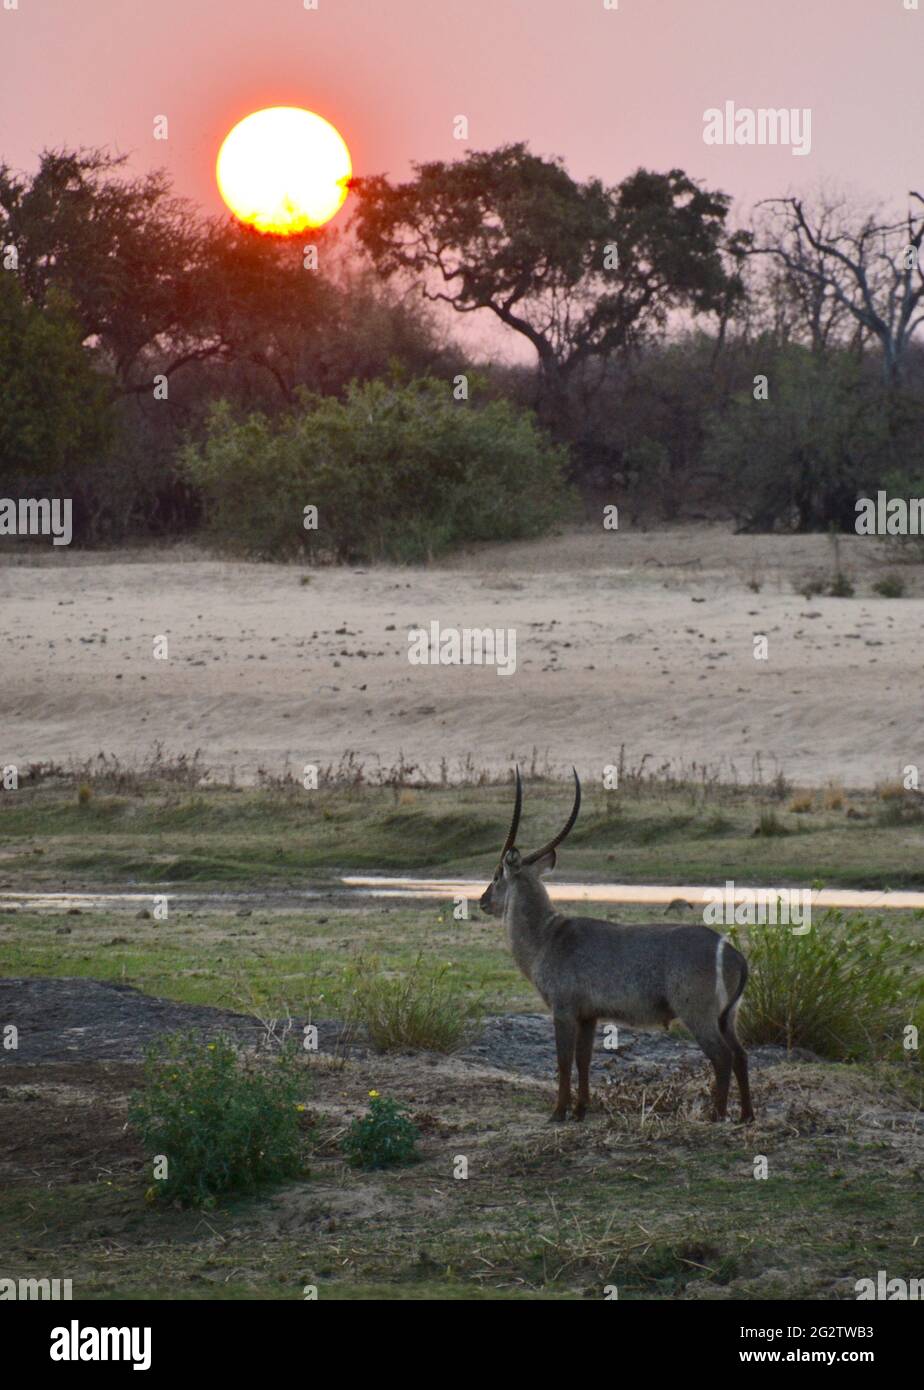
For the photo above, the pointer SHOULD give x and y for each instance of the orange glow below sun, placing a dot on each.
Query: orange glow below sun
(283, 170)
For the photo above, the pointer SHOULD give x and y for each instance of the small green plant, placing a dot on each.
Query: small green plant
(84, 794)
(904, 810)
(890, 586)
(770, 823)
(384, 1138)
(224, 1123)
(811, 588)
(841, 587)
(846, 989)
(422, 1007)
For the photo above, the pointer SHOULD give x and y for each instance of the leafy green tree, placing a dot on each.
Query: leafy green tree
(125, 251)
(55, 410)
(158, 289)
(579, 269)
(798, 460)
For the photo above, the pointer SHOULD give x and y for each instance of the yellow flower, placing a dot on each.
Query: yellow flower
(211, 1047)
(299, 1108)
(374, 1095)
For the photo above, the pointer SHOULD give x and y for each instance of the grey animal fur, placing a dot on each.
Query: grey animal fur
(641, 976)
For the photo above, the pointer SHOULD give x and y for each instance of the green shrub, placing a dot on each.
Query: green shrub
(841, 587)
(799, 460)
(384, 1138)
(422, 1007)
(395, 470)
(890, 586)
(845, 990)
(770, 823)
(224, 1123)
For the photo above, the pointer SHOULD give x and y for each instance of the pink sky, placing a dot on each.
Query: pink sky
(607, 90)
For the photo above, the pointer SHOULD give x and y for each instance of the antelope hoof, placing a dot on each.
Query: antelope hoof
(558, 1115)
(580, 1110)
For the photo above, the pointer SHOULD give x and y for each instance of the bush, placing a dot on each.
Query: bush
(223, 1123)
(395, 471)
(421, 1008)
(770, 823)
(384, 1138)
(799, 460)
(845, 990)
(889, 586)
(841, 587)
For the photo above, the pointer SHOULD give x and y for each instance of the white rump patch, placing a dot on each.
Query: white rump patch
(721, 993)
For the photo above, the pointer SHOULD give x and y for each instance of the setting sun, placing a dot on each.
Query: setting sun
(284, 169)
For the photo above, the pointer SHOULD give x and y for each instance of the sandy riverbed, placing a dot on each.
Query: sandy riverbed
(644, 639)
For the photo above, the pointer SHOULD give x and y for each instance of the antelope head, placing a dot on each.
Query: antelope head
(522, 873)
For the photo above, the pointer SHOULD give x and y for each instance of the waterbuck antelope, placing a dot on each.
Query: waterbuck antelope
(586, 970)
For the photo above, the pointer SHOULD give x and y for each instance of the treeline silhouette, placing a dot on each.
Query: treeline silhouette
(170, 372)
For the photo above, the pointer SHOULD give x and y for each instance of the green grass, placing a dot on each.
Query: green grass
(265, 962)
(222, 838)
(588, 1217)
(548, 1212)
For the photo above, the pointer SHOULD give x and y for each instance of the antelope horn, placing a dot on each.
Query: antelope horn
(515, 822)
(569, 825)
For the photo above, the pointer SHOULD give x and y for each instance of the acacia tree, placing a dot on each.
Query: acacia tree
(581, 270)
(156, 288)
(842, 268)
(126, 253)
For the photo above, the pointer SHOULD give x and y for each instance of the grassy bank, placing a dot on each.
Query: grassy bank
(643, 1197)
(55, 835)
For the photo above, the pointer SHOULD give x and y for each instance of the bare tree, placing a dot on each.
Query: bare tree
(839, 270)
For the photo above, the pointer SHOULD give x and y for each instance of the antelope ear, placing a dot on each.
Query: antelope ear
(512, 862)
(547, 863)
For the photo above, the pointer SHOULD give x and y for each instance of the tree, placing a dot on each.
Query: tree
(857, 267)
(55, 419)
(125, 251)
(799, 460)
(582, 271)
(156, 288)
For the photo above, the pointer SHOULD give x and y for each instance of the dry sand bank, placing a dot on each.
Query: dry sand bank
(641, 639)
